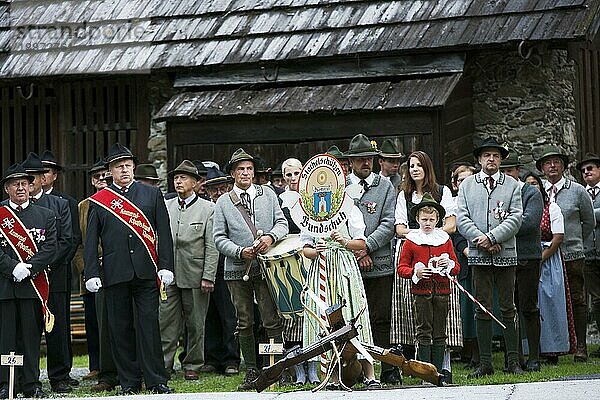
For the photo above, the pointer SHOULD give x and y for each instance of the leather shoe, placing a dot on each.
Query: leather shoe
(481, 370)
(248, 384)
(391, 377)
(514, 368)
(72, 382)
(127, 390)
(190, 375)
(61, 387)
(532, 366)
(580, 354)
(231, 370)
(102, 386)
(208, 368)
(90, 375)
(36, 393)
(4, 393)
(161, 388)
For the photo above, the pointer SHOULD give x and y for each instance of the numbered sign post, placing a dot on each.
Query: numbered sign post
(11, 360)
(271, 349)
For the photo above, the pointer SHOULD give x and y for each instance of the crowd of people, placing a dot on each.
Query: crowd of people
(180, 270)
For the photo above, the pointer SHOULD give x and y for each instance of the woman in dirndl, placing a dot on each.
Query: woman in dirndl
(344, 283)
(419, 180)
(557, 328)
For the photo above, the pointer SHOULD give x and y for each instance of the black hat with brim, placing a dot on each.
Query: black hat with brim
(33, 164)
(551, 151)
(361, 146)
(588, 158)
(238, 156)
(427, 200)
(146, 171)
(49, 160)
(118, 152)
(16, 171)
(490, 142)
(100, 165)
(216, 177)
(511, 161)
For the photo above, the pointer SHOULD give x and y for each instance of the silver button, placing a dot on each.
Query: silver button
(131, 251)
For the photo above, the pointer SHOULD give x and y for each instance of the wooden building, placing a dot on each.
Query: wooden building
(290, 77)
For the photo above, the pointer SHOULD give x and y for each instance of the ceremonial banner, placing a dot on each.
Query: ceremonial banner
(133, 218)
(19, 239)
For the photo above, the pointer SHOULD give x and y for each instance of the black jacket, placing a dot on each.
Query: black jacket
(123, 253)
(75, 229)
(41, 223)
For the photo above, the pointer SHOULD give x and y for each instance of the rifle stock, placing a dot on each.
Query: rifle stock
(270, 375)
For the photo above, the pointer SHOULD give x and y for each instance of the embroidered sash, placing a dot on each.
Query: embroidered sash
(134, 218)
(24, 246)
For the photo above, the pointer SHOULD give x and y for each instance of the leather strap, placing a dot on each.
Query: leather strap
(238, 204)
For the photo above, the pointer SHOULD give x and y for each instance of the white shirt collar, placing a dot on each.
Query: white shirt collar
(37, 196)
(484, 176)
(188, 199)
(355, 179)
(126, 187)
(49, 190)
(251, 191)
(436, 238)
(15, 205)
(559, 185)
(596, 185)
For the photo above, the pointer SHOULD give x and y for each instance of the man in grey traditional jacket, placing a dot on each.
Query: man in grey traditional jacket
(489, 216)
(377, 204)
(576, 207)
(529, 255)
(196, 258)
(239, 215)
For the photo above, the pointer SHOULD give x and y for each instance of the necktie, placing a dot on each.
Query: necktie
(552, 192)
(34, 200)
(364, 184)
(182, 204)
(19, 208)
(490, 183)
(593, 192)
(246, 202)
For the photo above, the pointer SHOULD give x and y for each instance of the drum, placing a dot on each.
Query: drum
(284, 268)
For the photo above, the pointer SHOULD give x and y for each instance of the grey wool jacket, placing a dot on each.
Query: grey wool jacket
(498, 215)
(529, 236)
(196, 256)
(576, 206)
(591, 244)
(232, 234)
(377, 206)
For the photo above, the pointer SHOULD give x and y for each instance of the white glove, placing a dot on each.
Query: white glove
(166, 277)
(93, 285)
(21, 271)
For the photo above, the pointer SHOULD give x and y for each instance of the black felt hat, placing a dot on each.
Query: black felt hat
(427, 200)
(100, 165)
(146, 171)
(33, 164)
(260, 166)
(49, 160)
(487, 143)
(119, 152)
(16, 171)
(216, 177)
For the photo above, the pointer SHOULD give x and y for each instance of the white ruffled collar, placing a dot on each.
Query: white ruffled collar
(436, 238)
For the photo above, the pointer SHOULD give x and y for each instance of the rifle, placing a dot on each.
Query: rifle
(270, 375)
(394, 356)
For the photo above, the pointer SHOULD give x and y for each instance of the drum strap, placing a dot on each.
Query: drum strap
(238, 204)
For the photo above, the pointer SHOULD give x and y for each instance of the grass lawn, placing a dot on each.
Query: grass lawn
(218, 383)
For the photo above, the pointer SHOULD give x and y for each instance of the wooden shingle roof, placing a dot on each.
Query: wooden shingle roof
(55, 37)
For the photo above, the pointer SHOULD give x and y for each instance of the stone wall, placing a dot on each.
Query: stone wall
(526, 103)
(160, 90)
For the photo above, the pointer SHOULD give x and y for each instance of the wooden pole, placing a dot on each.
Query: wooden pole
(11, 379)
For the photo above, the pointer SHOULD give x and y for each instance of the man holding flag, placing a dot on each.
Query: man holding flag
(131, 222)
(27, 246)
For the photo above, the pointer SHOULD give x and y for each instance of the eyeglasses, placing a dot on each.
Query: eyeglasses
(588, 168)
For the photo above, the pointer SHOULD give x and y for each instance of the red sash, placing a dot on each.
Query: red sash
(24, 246)
(134, 218)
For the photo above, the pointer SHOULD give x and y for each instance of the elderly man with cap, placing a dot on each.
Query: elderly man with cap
(146, 174)
(578, 212)
(132, 222)
(96, 316)
(23, 280)
(60, 358)
(377, 204)
(590, 171)
(489, 217)
(247, 222)
(529, 258)
(195, 268)
(389, 162)
(221, 346)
